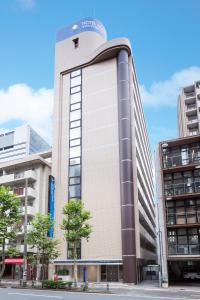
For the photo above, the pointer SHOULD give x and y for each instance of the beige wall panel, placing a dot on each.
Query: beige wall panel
(100, 158)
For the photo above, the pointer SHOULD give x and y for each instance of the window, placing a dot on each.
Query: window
(76, 142)
(74, 180)
(75, 73)
(75, 161)
(75, 133)
(75, 98)
(75, 81)
(75, 106)
(76, 43)
(75, 124)
(74, 191)
(75, 115)
(75, 151)
(74, 171)
(75, 89)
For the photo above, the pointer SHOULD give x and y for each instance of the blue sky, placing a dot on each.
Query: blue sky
(165, 43)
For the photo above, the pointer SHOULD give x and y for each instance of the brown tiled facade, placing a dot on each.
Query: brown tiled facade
(179, 203)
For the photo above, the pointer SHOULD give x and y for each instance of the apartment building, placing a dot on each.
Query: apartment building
(101, 154)
(178, 194)
(20, 142)
(189, 110)
(30, 175)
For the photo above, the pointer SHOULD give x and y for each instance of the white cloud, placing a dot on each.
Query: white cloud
(165, 93)
(34, 107)
(26, 4)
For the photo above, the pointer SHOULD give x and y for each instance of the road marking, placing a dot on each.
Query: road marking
(34, 295)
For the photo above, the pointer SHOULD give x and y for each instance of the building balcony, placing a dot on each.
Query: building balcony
(31, 194)
(21, 229)
(191, 110)
(186, 219)
(175, 161)
(190, 98)
(20, 248)
(30, 211)
(183, 250)
(18, 177)
(192, 123)
(182, 189)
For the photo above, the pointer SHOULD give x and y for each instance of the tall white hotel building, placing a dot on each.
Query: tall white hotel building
(101, 153)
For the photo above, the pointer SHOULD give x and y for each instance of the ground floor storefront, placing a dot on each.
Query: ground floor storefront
(103, 271)
(184, 270)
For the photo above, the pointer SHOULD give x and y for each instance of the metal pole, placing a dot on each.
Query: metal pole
(25, 233)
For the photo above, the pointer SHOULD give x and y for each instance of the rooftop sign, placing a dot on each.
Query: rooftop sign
(86, 24)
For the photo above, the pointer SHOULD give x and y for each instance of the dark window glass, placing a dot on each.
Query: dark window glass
(75, 171)
(74, 191)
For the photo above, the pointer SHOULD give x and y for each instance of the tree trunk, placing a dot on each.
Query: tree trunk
(38, 268)
(75, 267)
(3, 260)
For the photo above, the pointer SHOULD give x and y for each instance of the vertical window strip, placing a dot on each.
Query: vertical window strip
(75, 120)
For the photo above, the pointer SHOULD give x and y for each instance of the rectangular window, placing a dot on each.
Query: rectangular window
(76, 142)
(75, 133)
(75, 98)
(74, 180)
(75, 89)
(75, 152)
(75, 171)
(75, 81)
(75, 124)
(75, 106)
(75, 73)
(75, 115)
(75, 161)
(74, 191)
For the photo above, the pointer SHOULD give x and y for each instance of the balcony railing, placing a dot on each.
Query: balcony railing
(189, 95)
(191, 107)
(18, 177)
(184, 249)
(180, 161)
(30, 210)
(183, 218)
(193, 121)
(182, 188)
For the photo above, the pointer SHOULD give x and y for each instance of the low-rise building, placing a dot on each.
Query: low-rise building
(29, 175)
(178, 195)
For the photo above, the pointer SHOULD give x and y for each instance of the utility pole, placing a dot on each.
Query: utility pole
(25, 233)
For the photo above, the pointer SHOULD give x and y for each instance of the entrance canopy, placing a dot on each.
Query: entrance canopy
(14, 261)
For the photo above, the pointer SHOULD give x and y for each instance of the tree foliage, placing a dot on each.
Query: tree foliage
(75, 226)
(46, 247)
(9, 216)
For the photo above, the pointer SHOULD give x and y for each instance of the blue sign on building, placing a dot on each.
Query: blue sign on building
(51, 202)
(86, 24)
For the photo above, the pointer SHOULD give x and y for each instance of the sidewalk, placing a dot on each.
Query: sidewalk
(117, 287)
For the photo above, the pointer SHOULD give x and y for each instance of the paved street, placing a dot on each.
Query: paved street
(19, 294)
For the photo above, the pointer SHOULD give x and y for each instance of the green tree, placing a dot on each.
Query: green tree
(46, 247)
(75, 226)
(9, 216)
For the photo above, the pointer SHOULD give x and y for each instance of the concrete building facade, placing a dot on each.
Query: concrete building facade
(29, 175)
(178, 195)
(101, 153)
(189, 110)
(20, 142)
